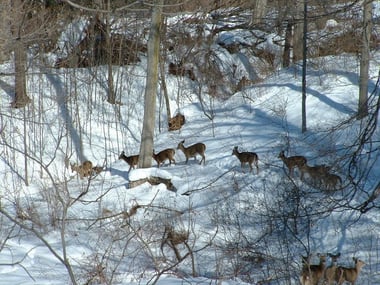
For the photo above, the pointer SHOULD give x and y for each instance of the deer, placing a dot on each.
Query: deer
(349, 274)
(305, 260)
(131, 160)
(312, 274)
(293, 161)
(331, 270)
(321, 169)
(193, 150)
(84, 170)
(332, 181)
(173, 238)
(247, 157)
(316, 173)
(164, 155)
(97, 170)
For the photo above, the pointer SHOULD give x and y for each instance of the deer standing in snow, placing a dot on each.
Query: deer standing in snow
(292, 162)
(193, 150)
(247, 157)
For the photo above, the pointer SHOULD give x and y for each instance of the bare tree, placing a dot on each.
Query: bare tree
(146, 148)
(364, 59)
(304, 66)
(259, 11)
(31, 24)
(18, 23)
(298, 32)
(287, 44)
(104, 46)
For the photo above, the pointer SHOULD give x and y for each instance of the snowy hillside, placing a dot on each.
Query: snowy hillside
(241, 227)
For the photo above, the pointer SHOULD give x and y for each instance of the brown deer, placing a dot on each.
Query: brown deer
(179, 69)
(316, 173)
(293, 161)
(305, 260)
(312, 274)
(131, 160)
(332, 181)
(164, 155)
(331, 270)
(173, 238)
(346, 274)
(84, 170)
(97, 169)
(193, 150)
(247, 157)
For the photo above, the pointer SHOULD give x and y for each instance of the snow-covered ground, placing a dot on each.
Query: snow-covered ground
(228, 211)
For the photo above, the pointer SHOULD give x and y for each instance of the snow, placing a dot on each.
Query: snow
(264, 118)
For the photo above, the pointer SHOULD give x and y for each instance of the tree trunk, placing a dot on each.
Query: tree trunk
(17, 21)
(21, 98)
(304, 67)
(146, 148)
(111, 97)
(364, 60)
(298, 33)
(259, 10)
(288, 44)
(165, 91)
(163, 79)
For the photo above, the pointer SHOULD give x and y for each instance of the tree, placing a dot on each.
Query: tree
(298, 32)
(364, 59)
(287, 44)
(146, 148)
(304, 67)
(31, 24)
(259, 10)
(18, 22)
(111, 98)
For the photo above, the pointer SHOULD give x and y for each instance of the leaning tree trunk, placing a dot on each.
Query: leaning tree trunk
(163, 79)
(165, 91)
(146, 148)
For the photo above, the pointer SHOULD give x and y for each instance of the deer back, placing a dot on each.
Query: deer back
(323, 169)
(87, 165)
